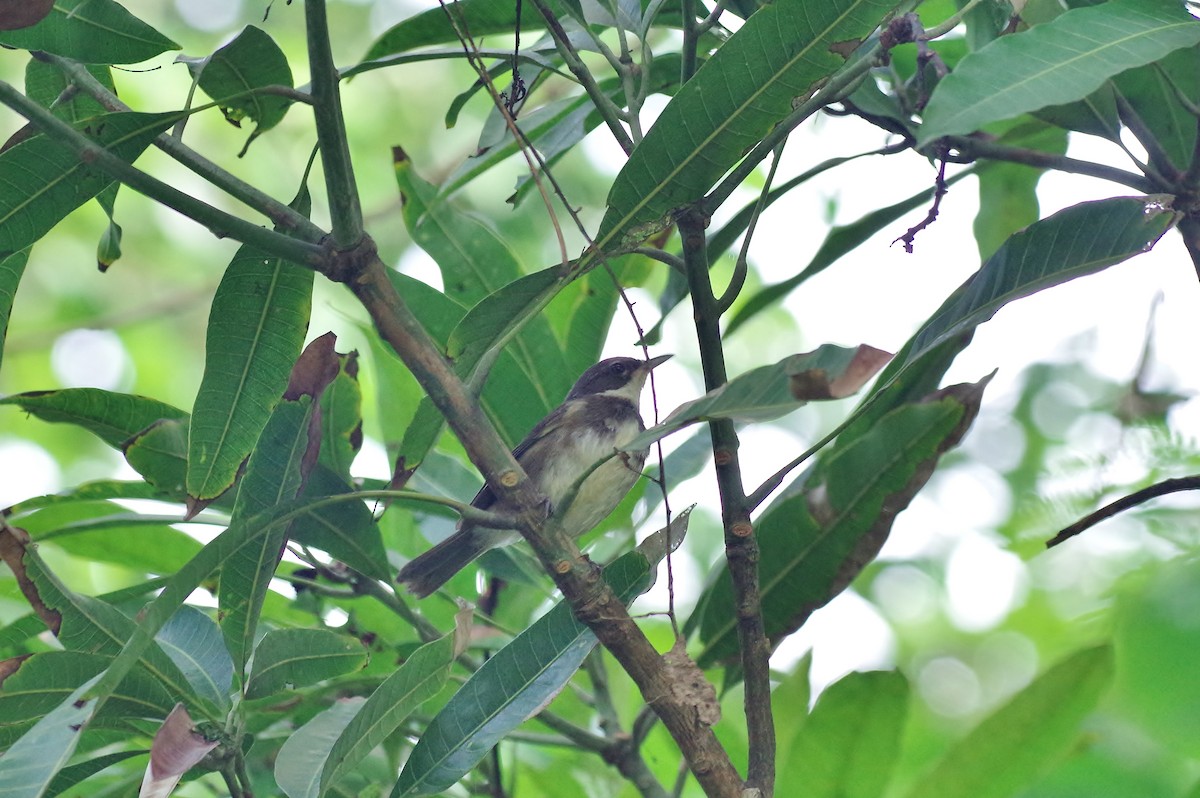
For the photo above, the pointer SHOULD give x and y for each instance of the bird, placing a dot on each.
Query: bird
(599, 415)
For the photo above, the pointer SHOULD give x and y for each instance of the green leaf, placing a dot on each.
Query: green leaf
(1055, 63)
(848, 746)
(106, 532)
(767, 392)
(41, 181)
(814, 540)
(1008, 199)
(1095, 114)
(28, 766)
(72, 775)
(838, 242)
(44, 681)
(332, 744)
(341, 418)
(1151, 92)
(298, 765)
(91, 31)
(520, 679)
(139, 645)
(345, 530)
(1004, 753)
(112, 417)
(45, 83)
(288, 659)
(274, 474)
(93, 626)
(1074, 242)
(255, 330)
(233, 75)
(784, 51)
(482, 18)
(11, 269)
(193, 641)
(159, 453)
(480, 269)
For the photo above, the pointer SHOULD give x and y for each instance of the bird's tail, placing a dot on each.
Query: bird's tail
(434, 568)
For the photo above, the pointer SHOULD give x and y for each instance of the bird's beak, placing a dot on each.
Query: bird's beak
(657, 361)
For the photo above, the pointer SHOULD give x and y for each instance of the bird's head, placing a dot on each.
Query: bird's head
(616, 376)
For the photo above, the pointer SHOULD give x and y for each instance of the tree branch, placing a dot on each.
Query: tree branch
(344, 209)
(741, 546)
(973, 148)
(1124, 503)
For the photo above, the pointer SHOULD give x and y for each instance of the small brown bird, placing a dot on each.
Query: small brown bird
(599, 415)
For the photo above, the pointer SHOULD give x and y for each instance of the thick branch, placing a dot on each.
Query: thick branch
(344, 209)
(741, 546)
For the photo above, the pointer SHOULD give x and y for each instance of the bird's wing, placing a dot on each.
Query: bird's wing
(485, 498)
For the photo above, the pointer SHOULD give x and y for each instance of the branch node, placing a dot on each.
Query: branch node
(742, 529)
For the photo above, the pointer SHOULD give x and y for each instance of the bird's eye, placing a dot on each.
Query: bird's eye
(619, 368)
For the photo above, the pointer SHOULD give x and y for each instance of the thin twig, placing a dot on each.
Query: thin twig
(222, 224)
(971, 148)
(726, 300)
(1134, 499)
(282, 216)
(939, 190)
(604, 106)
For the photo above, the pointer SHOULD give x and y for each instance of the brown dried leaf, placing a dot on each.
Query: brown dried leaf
(16, 14)
(814, 383)
(13, 541)
(177, 748)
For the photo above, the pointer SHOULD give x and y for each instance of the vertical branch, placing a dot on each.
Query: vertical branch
(741, 547)
(344, 209)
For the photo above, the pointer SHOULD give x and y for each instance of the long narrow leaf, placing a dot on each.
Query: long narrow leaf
(41, 181)
(92, 31)
(257, 324)
(815, 540)
(782, 52)
(1055, 63)
(11, 269)
(112, 417)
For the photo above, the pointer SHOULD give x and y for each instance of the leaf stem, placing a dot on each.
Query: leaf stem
(345, 210)
(971, 148)
(741, 545)
(604, 106)
(221, 224)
